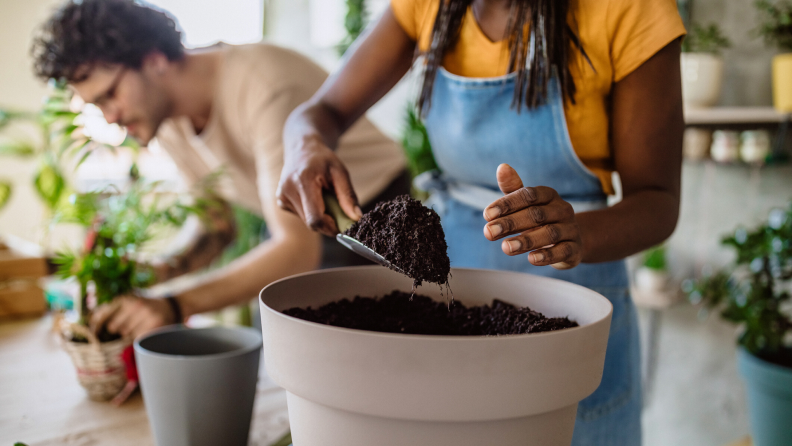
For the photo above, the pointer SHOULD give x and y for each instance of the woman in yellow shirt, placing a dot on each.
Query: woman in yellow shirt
(564, 91)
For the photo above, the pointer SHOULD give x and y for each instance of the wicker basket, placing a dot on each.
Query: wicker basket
(99, 366)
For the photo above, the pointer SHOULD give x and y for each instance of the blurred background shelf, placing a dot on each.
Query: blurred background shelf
(734, 116)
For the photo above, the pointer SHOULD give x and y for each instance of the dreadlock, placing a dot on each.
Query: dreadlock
(533, 57)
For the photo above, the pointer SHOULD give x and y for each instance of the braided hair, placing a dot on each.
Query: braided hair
(539, 39)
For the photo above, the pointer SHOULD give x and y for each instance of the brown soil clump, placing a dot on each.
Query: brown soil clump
(409, 236)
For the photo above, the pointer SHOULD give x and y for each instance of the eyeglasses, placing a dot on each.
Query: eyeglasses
(103, 99)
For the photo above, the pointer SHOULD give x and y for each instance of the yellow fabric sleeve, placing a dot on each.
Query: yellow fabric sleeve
(404, 11)
(638, 29)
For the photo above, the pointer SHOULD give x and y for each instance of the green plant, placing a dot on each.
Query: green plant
(415, 141)
(705, 39)
(354, 23)
(285, 440)
(655, 258)
(754, 290)
(775, 23)
(61, 136)
(119, 225)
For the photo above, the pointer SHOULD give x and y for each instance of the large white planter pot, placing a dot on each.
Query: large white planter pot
(360, 388)
(702, 76)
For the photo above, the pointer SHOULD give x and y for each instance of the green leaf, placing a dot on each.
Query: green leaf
(655, 258)
(705, 39)
(19, 444)
(83, 157)
(49, 185)
(76, 146)
(5, 193)
(17, 148)
(131, 143)
(285, 440)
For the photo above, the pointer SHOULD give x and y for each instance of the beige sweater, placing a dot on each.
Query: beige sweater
(260, 84)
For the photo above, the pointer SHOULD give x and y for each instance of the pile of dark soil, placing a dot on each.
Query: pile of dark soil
(409, 236)
(396, 313)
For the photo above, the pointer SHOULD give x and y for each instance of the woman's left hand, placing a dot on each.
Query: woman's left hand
(542, 221)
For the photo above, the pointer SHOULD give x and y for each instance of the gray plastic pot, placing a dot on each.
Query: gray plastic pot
(199, 384)
(359, 388)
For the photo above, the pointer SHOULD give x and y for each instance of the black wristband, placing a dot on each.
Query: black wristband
(178, 317)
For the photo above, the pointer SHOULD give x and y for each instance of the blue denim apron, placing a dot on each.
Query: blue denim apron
(472, 130)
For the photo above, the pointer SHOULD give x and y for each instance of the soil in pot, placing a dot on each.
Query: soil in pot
(783, 357)
(396, 313)
(409, 235)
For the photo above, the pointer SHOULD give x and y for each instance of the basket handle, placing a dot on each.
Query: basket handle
(84, 332)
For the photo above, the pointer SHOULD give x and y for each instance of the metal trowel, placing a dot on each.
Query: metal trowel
(333, 208)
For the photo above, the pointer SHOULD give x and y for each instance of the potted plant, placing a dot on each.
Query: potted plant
(753, 293)
(651, 280)
(702, 65)
(118, 227)
(64, 135)
(776, 29)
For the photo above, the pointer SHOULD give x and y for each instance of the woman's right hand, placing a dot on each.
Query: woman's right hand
(374, 64)
(309, 167)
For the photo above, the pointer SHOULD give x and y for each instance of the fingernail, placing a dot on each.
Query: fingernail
(495, 230)
(492, 212)
(537, 257)
(514, 245)
(358, 212)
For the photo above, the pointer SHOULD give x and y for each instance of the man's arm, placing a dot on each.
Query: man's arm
(207, 238)
(292, 248)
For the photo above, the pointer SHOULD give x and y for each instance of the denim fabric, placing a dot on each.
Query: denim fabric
(473, 129)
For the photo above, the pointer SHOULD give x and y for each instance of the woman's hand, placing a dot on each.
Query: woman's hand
(543, 222)
(132, 316)
(307, 170)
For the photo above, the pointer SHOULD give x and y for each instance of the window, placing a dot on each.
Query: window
(205, 22)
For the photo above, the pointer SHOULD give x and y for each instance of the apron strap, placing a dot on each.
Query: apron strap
(479, 197)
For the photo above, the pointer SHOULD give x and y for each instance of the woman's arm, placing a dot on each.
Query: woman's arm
(375, 65)
(646, 137)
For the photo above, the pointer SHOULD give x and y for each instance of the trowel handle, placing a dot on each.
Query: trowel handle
(333, 208)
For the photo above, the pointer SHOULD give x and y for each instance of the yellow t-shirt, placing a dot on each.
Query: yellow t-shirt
(617, 35)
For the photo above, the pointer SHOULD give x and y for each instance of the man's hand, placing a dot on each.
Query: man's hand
(545, 223)
(132, 316)
(307, 170)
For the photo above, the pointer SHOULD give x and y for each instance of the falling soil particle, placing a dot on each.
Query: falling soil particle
(396, 313)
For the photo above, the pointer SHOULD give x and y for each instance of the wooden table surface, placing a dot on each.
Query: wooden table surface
(42, 404)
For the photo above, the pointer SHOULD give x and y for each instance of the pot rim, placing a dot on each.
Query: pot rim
(214, 356)
(438, 338)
